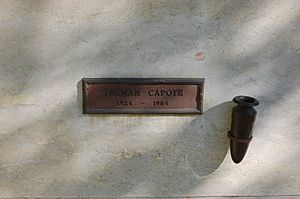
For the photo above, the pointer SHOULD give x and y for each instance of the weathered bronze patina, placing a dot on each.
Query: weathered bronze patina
(243, 118)
(142, 95)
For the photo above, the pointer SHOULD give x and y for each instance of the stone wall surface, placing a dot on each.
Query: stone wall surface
(49, 148)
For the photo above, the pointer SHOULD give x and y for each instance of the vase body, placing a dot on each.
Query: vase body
(240, 134)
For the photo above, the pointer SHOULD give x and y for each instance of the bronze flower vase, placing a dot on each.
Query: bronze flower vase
(240, 134)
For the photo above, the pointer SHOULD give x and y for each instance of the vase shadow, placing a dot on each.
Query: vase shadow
(206, 138)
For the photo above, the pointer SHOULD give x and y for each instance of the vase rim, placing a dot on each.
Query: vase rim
(245, 100)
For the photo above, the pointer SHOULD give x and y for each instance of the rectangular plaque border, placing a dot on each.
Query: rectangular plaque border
(145, 81)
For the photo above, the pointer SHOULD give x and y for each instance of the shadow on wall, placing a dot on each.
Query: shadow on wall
(174, 168)
(171, 169)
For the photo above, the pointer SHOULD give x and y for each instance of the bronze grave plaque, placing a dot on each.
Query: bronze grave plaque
(142, 95)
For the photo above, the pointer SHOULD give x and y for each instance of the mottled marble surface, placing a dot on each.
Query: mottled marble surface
(48, 148)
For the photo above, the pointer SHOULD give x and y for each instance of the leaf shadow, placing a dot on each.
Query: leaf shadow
(172, 168)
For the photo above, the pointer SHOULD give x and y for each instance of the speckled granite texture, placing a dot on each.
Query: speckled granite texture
(48, 148)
